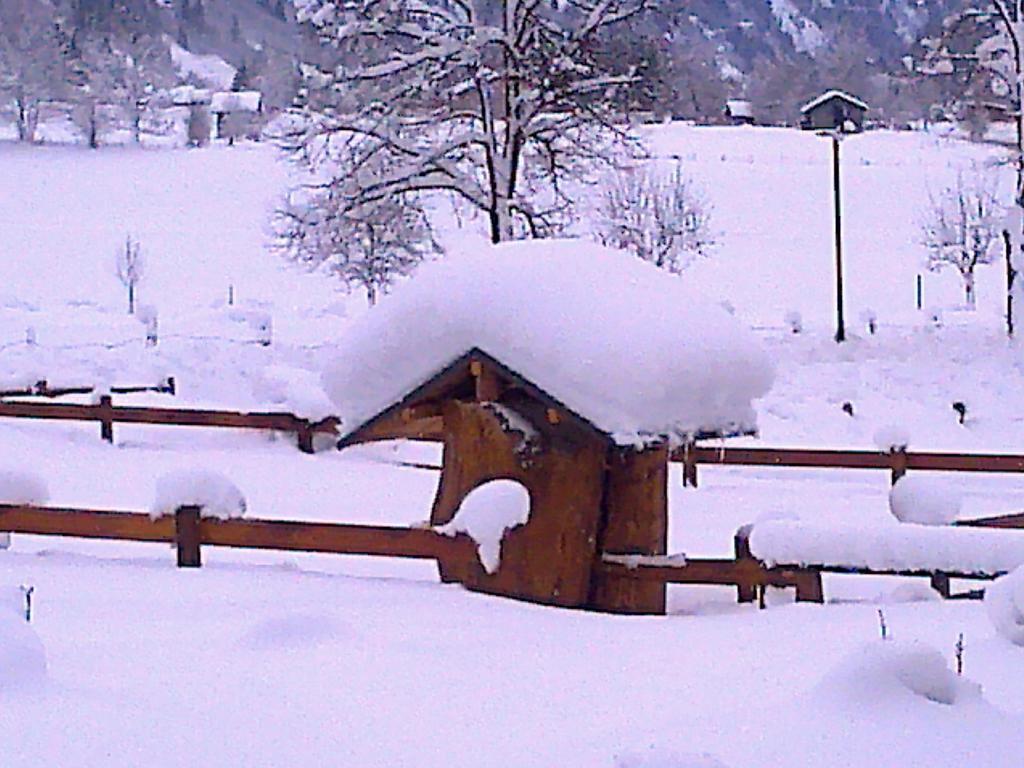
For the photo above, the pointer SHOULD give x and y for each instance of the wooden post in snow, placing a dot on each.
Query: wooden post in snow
(186, 536)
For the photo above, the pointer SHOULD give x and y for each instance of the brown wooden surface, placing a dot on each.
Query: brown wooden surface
(635, 522)
(548, 560)
(1015, 520)
(187, 538)
(85, 524)
(825, 459)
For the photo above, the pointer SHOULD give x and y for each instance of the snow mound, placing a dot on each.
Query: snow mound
(892, 668)
(294, 390)
(215, 493)
(920, 499)
(889, 547)
(652, 758)
(891, 438)
(651, 359)
(24, 488)
(291, 631)
(1004, 602)
(22, 656)
(486, 514)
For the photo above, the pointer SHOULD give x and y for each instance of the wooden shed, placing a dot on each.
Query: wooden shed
(739, 112)
(834, 110)
(513, 364)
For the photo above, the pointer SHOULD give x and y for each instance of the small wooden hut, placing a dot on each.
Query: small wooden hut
(834, 111)
(525, 371)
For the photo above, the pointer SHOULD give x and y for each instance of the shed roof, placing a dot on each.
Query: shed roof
(828, 96)
(628, 348)
(739, 108)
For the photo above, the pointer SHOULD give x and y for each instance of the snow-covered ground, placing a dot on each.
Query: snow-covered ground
(270, 659)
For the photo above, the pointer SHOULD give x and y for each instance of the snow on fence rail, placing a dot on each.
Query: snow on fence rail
(106, 413)
(189, 530)
(42, 388)
(897, 462)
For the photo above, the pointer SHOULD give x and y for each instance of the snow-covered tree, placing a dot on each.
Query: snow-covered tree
(498, 103)
(659, 216)
(32, 61)
(962, 227)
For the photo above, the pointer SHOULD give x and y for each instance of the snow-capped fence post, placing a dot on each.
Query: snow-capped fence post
(898, 459)
(689, 465)
(106, 406)
(186, 536)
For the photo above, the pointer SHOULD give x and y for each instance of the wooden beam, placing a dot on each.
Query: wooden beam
(85, 524)
(187, 538)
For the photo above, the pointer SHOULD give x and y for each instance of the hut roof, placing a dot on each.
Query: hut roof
(624, 346)
(739, 108)
(828, 96)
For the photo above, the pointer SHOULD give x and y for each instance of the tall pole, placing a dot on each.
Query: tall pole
(837, 204)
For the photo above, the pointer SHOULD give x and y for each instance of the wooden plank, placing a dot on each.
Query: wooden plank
(1015, 520)
(85, 524)
(187, 537)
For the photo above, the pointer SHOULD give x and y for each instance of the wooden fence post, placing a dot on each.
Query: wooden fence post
(898, 457)
(689, 466)
(186, 536)
(746, 592)
(106, 418)
(305, 433)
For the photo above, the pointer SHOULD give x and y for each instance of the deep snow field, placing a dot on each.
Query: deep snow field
(273, 659)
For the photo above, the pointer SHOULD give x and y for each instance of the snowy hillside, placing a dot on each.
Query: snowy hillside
(267, 659)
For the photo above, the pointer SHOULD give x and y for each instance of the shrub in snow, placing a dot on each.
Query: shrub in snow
(654, 758)
(870, 319)
(891, 438)
(486, 514)
(22, 656)
(1004, 602)
(215, 493)
(794, 321)
(894, 668)
(920, 499)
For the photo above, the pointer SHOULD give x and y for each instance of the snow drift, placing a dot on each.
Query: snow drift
(22, 657)
(628, 347)
(1004, 601)
(920, 499)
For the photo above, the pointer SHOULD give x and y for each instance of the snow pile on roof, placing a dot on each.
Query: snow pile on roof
(22, 656)
(236, 101)
(24, 488)
(628, 347)
(1004, 602)
(215, 493)
(739, 108)
(486, 514)
(294, 390)
(925, 501)
(889, 547)
(828, 95)
(654, 758)
(894, 668)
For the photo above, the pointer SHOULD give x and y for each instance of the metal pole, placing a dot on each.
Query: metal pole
(837, 204)
(920, 292)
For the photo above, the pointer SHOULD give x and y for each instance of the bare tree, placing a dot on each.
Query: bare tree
(497, 103)
(962, 227)
(660, 217)
(130, 267)
(367, 246)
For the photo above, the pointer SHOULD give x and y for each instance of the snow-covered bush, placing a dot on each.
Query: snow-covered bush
(215, 493)
(794, 321)
(657, 216)
(487, 513)
(920, 499)
(1004, 602)
(22, 656)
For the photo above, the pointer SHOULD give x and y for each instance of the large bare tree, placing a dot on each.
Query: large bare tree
(497, 102)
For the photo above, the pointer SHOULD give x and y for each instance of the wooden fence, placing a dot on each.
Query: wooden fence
(106, 413)
(189, 531)
(897, 462)
(42, 388)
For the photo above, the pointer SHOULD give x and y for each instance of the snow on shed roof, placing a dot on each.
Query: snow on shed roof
(236, 101)
(739, 108)
(828, 96)
(628, 347)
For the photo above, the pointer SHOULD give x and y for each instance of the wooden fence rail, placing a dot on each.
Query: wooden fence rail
(106, 413)
(897, 462)
(189, 531)
(42, 388)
